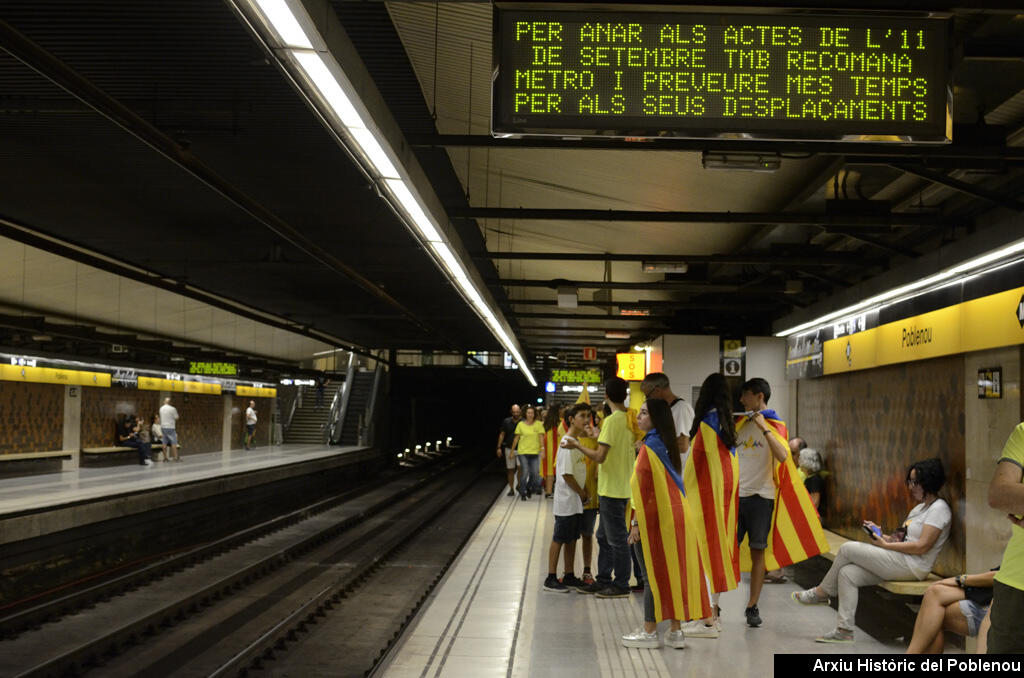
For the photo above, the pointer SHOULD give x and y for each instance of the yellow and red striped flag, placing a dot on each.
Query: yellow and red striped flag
(711, 479)
(796, 527)
(549, 450)
(668, 536)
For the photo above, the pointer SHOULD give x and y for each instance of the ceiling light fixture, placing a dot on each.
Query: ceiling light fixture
(295, 40)
(911, 289)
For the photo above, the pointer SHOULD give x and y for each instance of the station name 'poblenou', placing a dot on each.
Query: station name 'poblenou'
(744, 71)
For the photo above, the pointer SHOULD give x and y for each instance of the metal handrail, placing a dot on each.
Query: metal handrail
(341, 399)
(295, 405)
(367, 434)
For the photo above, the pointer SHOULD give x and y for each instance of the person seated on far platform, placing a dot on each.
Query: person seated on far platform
(570, 496)
(128, 436)
(957, 604)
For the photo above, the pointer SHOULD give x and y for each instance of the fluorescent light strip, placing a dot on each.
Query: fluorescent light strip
(283, 20)
(327, 77)
(423, 224)
(896, 292)
(319, 73)
(374, 152)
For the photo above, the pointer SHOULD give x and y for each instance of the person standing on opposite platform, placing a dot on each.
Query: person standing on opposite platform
(169, 429)
(250, 424)
(526, 447)
(656, 385)
(757, 446)
(615, 455)
(1006, 493)
(506, 434)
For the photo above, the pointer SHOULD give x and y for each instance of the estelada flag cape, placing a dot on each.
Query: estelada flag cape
(668, 536)
(796, 533)
(711, 479)
(549, 452)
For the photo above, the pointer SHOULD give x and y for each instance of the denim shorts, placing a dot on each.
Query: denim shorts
(567, 528)
(973, 613)
(170, 437)
(755, 519)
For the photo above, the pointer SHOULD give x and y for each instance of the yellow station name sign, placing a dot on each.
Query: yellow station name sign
(988, 322)
(53, 375)
(177, 386)
(256, 392)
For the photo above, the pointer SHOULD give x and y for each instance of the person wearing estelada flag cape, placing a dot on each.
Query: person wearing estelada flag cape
(663, 534)
(775, 511)
(711, 480)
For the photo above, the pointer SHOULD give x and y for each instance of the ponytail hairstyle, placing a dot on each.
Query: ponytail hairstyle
(714, 395)
(661, 417)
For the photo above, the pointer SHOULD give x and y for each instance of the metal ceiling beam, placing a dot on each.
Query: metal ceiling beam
(589, 328)
(895, 152)
(750, 259)
(555, 214)
(964, 187)
(606, 285)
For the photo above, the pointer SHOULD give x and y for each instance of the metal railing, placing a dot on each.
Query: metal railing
(339, 405)
(366, 429)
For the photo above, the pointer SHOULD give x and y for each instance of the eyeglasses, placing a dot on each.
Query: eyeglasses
(911, 482)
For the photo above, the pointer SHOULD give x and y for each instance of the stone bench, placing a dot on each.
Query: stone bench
(49, 454)
(902, 588)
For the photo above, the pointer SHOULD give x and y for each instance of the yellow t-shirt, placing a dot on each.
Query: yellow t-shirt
(530, 436)
(1011, 572)
(613, 479)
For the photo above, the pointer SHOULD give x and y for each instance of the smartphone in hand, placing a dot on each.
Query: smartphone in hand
(872, 530)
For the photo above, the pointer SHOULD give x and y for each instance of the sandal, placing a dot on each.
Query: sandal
(777, 579)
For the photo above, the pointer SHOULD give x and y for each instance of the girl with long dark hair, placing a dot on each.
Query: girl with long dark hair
(662, 534)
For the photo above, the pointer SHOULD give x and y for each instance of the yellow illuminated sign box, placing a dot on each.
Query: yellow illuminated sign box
(645, 73)
(989, 322)
(52, 375)
(256, 392)
(177, 386)
(632, 366)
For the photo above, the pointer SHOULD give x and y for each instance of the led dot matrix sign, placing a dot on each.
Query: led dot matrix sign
(637, 73)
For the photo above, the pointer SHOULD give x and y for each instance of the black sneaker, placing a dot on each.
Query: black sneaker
(511, 493)
(612, 592)
(572, 582)
(592, 588)
(552, 584)
(753, 617)
(522, 497)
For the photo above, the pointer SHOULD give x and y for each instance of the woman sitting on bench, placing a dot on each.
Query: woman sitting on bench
(908, 553)
(956, 604)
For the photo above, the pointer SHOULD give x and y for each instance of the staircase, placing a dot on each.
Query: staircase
(307, 427)
(361, 386)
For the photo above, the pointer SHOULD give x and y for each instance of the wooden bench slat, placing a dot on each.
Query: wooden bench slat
(49, 454)
(116, 448)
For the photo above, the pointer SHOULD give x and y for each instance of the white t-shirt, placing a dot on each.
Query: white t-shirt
(168, 416)
(682, 417)
(250, 416)
(937, 515)
(569, 462)
(755, 459)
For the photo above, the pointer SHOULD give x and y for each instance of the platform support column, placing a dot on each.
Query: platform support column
(225, 439)
(72, 440)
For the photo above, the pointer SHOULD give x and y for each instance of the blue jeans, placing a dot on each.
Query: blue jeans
(611, 540)
(529, 473)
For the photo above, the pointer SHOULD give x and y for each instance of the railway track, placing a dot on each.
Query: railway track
(365, 560)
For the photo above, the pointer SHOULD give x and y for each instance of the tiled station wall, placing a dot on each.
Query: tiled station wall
(871, 425)
(264, 409)
(31, 417)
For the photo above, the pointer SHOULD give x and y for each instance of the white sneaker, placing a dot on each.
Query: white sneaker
(836, 635)
(149, 462)
(675, 639)
(642, 639)
(808, 597)
(698, 629)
